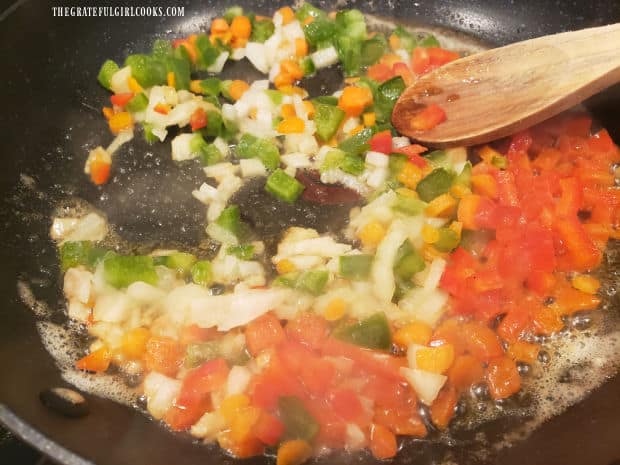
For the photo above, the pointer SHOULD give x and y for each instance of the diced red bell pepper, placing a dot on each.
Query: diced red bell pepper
(601, 142)
(120, 100)
(413, 152)
(503, 378)
(571, 199)
(381, 142)
(581, 254)
(428, 118)
(198, 119)
(440, 56)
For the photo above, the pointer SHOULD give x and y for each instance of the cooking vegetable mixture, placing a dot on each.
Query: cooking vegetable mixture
(444, 278)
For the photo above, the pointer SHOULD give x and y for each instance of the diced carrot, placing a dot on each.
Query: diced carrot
(162, 108)
(133, 343)
(503, 378)
(382, 442)
(99, 171)
(238, 88)
(435, 359)
(292, 68)
(107, 112)
(465, 371)
(466, 212)
(264, 332)
(354, 99)
(97, 361)
(293, 452)
(241, 27)
(292, 125)
(484, 184)
(442, 409)
(428, 118)
(287, 14)
(163, 354)
(120, 121)
(522, 351)
(283, 80)
(417, 332)
(301, 47)
(219, 26)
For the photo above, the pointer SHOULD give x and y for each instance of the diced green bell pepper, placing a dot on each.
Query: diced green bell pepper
(358, 143)
(148, 133)
(75, 253)
(313, 281)
(230, 219)
(211, 86)
(337, 159)
(464, 177)
(438, 159)
(207, 53)
(373, 49)
(327, 119)
(215, 124)
(321, 29)
(208, 154)
(351, 23)
(197, 354)
(262, 30)
(250, 146)
(428, 41)
(500, 162)
(434, 184)
(232, 12)
(448, 240)
(298, 423)
(122, 270)
(356, 267)
(283, 186)
(407, 41)
(372, 332)
(326, 99)
(408, 262)
(409, 205)
(385, 98)
(350, 54)
(182, 262)
(202, 273)
(307, 10)
(307, 66)
(242, 252)
(161, 48)
(139, 102)
(148, 71)
(275, 96)
(108, 69)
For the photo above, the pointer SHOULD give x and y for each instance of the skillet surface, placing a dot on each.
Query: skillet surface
(50, 99)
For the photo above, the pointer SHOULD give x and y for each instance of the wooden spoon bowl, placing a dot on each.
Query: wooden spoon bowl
(504, 90)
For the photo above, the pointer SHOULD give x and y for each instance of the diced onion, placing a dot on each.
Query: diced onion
(426, 384)
(325, 57)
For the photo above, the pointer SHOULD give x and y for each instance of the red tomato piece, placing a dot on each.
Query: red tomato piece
(347, 405)
(382, 442)
(309, 329)
(503, 378)
(481, 341)
(268, 429)
(163, 354)
(263, 333)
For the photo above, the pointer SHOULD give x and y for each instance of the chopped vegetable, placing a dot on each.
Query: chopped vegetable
(373, 332)
(284, 186)
(120, 271)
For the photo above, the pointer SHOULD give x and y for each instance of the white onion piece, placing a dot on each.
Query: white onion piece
(426, 384)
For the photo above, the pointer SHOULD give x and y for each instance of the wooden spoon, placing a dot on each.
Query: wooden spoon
(501, 91)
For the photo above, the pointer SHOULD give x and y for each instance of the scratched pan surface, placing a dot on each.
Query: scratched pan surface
(49, 120)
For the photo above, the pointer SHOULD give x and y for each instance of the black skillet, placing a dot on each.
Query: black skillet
(50, 118)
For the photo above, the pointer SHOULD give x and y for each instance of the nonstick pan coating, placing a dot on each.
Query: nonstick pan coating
(50, 118)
